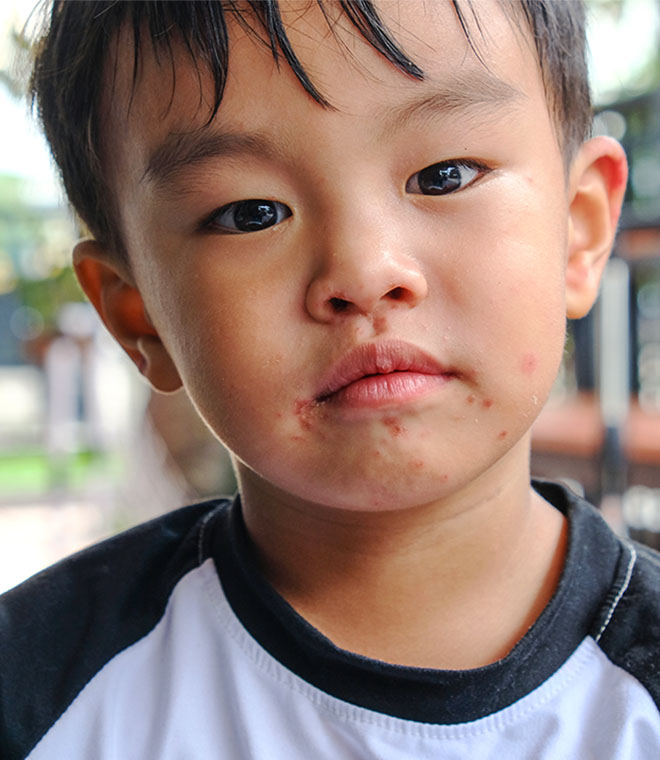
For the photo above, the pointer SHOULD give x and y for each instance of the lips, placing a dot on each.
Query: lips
(376, 374)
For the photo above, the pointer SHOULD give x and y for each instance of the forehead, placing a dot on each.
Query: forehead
(167, 96)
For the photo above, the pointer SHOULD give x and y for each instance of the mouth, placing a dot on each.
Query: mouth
(376, 375)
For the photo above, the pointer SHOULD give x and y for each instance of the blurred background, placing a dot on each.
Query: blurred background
(86, 449)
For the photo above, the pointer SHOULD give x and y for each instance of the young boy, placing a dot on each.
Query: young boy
(353, 234)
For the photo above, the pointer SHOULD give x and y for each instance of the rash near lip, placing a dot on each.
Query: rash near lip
(306, 412)
(394, 426)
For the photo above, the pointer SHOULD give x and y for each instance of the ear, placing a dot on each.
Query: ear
(110, 287)
(597, 182)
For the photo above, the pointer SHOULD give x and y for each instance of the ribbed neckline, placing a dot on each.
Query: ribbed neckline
(420, 694)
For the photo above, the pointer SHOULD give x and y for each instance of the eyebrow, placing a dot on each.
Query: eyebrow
(184, 150)
(463, 92)
(180, 151)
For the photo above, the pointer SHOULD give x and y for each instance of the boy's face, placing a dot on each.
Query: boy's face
(357, 261)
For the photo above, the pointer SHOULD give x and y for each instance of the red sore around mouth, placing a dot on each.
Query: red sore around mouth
(377, 374)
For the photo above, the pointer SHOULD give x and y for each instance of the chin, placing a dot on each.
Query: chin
(402, 490)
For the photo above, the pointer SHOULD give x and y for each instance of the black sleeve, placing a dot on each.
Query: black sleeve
(58, 629)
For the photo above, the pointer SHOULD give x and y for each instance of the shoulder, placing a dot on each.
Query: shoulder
(59, 628)
(151, 557)
(630, 631)
(618, 582)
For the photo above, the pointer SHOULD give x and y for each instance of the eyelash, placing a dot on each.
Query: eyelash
(443, 178)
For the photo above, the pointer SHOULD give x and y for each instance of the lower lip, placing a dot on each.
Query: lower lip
(381, 391)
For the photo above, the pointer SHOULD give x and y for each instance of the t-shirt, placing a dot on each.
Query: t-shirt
(166, 643)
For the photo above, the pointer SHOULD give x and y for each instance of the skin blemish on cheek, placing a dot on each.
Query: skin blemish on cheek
(417, 464)
(487, 403)
(528, 363)
(394, 426)
(502, 435)
(470, 399)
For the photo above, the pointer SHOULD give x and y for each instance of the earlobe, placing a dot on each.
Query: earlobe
(109, 286)
(597, 184)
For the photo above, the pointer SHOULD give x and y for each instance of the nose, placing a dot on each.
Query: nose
(364, 274)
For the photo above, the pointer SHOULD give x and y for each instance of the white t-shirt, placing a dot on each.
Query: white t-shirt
(166, 643)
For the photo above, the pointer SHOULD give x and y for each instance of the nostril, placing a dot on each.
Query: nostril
(396, 294)
(339, 304)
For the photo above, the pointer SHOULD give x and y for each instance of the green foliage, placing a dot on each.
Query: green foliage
(34, 251)
(47, 294)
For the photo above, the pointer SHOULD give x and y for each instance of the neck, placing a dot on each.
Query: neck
(450, 584)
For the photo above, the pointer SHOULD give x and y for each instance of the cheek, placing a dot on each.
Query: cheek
(518, 320)
(531, 332)
(528, 363)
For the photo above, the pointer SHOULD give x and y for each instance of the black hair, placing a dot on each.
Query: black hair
(73, 53)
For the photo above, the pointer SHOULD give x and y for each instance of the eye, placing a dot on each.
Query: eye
(446, 177)
(250, 215)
